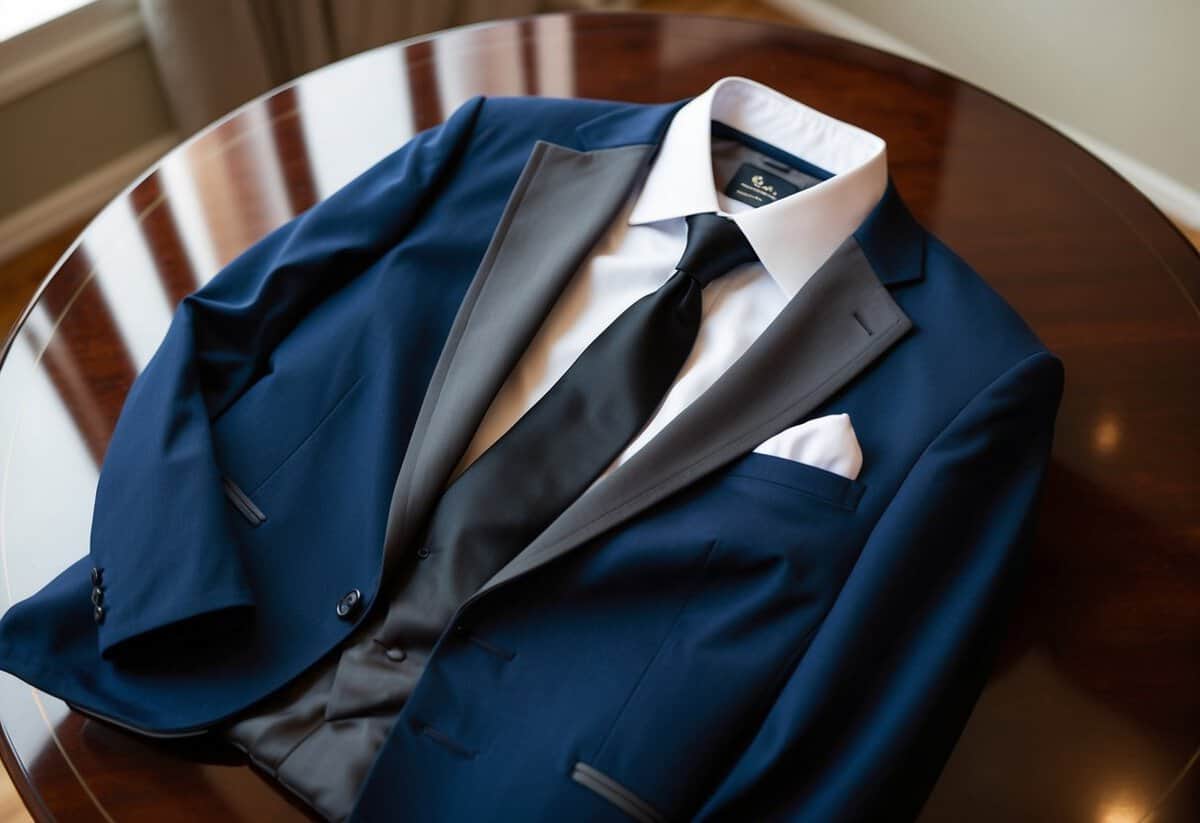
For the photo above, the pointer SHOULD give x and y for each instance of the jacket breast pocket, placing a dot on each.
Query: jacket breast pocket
(255, 437)
(810, 481)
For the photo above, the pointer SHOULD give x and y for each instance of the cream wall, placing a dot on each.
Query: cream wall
(76, 124)
(1122, 73)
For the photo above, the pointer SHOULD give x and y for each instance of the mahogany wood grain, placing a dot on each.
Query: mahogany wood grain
(1094, 708)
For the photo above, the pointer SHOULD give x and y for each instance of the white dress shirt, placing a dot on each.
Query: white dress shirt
(792, 236)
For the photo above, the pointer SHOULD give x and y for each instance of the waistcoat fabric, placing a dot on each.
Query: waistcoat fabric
(320, 735)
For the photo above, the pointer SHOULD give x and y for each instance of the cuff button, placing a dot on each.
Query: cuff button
(349, 605)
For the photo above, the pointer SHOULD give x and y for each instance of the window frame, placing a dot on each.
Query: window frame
(67, 44)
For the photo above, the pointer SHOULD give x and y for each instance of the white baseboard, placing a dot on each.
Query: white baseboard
(78, 199)
(1180, 202)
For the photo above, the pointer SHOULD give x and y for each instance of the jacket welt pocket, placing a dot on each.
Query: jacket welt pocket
(242, 502)
(618, 795)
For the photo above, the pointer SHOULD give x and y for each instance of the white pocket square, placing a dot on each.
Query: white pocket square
(828, 443)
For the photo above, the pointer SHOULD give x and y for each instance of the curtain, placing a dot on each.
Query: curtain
(215, 55)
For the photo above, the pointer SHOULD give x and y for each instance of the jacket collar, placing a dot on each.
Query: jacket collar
(890, 237)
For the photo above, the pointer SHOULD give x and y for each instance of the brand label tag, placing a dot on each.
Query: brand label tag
(757, 186)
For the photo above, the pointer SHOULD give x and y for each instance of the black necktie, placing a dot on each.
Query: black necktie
(550, 456)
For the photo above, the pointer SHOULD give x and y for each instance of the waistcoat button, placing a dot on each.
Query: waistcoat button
(423, 552)
(97, 575)
(347, 607)
(98, 614)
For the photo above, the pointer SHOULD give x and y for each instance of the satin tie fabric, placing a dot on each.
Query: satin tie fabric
(558, 448)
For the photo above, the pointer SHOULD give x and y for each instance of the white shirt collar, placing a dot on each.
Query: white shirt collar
(796, 234)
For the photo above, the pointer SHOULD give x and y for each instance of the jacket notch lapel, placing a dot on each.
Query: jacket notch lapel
(562, 203)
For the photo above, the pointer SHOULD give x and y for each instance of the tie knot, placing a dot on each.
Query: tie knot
(715, 245)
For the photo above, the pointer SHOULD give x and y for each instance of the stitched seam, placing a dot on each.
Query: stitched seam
(830, 499)
(771, 421)
(778, 680)
(308, 437)
(637, 686)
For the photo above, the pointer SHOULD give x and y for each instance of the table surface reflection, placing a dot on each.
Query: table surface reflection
(1094, 707)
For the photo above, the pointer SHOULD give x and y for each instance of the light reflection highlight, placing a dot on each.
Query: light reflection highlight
(179, 189)
(1106, 436)
(555, 57)
(45, 518)
(331, 120)
(494, 67)
(1121, 811)
(129, 281)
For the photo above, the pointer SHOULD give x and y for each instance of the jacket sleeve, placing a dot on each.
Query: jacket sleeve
(160, 533)
(866, 717)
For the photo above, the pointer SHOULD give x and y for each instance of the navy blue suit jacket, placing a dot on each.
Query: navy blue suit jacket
(771, 642)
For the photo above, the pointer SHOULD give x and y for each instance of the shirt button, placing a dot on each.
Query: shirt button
(97, 576)
(395, 654)
(347, 607)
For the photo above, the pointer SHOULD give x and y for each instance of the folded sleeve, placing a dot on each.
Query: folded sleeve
(160, 538)
(866, 717)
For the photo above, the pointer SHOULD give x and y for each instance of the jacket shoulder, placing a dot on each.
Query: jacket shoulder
(506, 120)
(972, 335)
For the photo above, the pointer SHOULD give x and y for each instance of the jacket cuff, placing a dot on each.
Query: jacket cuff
(131, 625)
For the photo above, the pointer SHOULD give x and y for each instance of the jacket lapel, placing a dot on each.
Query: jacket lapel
(562, 203)
(837, 325)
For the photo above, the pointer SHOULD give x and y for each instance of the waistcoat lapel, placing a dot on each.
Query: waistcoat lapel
(838, 324)
(563, 202)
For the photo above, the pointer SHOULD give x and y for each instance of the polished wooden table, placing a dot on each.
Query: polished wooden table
(1093, 711)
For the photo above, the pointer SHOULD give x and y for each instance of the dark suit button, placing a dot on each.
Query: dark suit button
(97, 596)
(423, 552)
(395, 655)
(347, 607)
(97, 576)
(98, 614)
